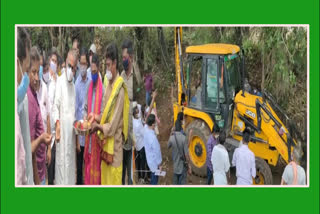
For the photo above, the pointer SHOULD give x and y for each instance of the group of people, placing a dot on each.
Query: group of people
(53, 93)
(243, 159)
(148, 150)
(148, 157)
(218, 164)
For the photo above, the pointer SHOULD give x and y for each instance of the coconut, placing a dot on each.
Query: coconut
(85, 125)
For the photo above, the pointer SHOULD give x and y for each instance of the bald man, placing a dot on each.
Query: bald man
(64, 116)
(294, 174)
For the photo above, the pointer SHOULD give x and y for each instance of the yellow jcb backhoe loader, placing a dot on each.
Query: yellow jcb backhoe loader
(212, 91)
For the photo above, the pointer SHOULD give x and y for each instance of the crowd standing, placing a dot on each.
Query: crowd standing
(123, 142)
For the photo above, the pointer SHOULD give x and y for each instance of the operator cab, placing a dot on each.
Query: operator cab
(213, 79)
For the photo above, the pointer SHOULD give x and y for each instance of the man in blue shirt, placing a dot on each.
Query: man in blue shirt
(82, 83)
(212, 141)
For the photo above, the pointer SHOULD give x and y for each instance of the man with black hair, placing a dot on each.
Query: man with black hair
(179, 122)
(112, 124)
(244, 161)
(92, 108)
(212, 141)
(81, 87)
(220, 162)
(53, 64)
(179, 144)
(152, 147)
(127, 75)
(37, 131)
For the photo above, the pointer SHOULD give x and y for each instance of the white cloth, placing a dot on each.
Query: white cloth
(140, 113)
(93, 48)
(152, 148)
(287, 175)
(51, 95)
(23, 112)
(21, 177)
(244, 161)
(64, 111)
(138, 133)
(220, 164)
(43, 100)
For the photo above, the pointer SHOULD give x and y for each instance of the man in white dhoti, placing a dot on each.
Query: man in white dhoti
(64, 116)
(220, 162)
(50, 77)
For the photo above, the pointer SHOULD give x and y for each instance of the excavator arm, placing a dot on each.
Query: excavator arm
(178, 62)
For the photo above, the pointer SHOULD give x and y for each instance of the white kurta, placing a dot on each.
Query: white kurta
(64, 111)
(51, 95)
(43, 100)
(220, 164)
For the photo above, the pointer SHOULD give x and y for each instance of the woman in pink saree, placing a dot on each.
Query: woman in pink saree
(92, 146)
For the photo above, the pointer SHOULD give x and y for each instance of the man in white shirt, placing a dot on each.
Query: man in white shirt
(220, 162)
(50, 78)
(139, 146)
(244, 161)
(152, 147)
(127, 75)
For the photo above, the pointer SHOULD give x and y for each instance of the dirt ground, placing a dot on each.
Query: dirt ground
(165, 113)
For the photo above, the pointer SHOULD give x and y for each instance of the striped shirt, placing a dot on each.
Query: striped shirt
(212, 141)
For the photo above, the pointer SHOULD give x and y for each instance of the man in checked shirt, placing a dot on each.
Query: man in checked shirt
(212, 141)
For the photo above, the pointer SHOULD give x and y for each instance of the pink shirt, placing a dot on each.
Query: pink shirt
(148, 82)
(36, 129)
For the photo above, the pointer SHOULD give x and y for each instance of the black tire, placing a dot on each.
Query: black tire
(200, 129)
(263, 168)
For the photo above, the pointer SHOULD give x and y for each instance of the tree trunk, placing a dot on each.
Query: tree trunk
(262, 63)
(163, 46)
(137, 71)
(139, 46)
(238, 34)
(60, 41)
(51, 36)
